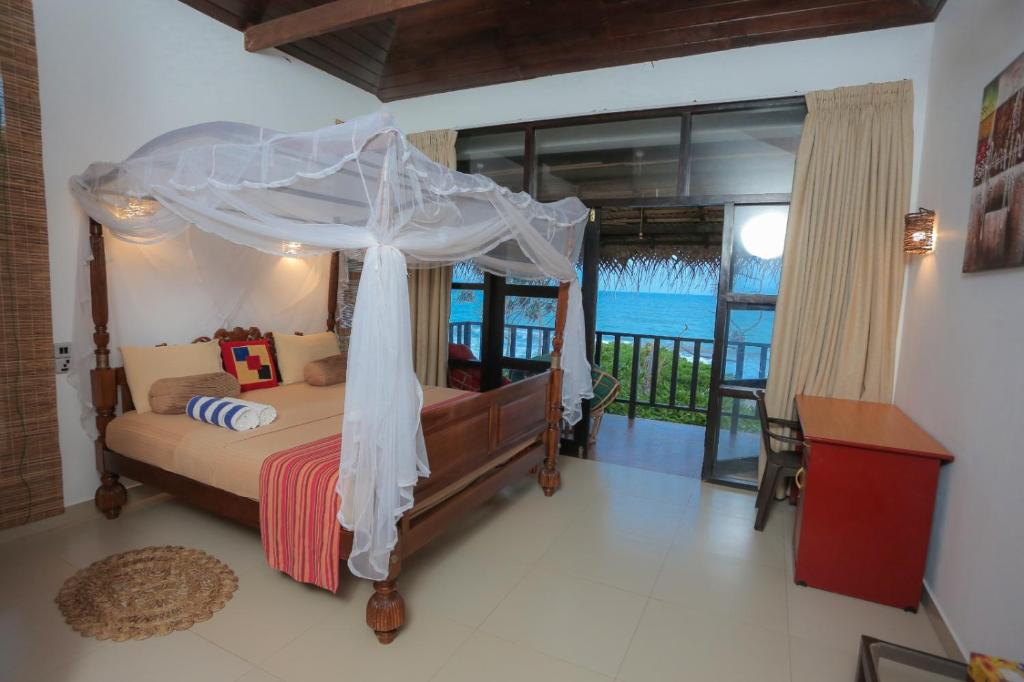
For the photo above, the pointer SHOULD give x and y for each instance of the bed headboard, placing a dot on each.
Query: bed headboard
(124, 393)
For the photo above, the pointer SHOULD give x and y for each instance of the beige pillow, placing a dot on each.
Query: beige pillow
(327, 371)
(171, 395)
(294, 352)
(143, 365)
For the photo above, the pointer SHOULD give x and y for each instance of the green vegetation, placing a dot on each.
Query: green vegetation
(662, 391)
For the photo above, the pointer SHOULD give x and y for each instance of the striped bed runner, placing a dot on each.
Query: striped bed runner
(299, 509)
(299, 512)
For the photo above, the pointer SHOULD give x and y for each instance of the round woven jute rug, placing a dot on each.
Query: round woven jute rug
(146, 592)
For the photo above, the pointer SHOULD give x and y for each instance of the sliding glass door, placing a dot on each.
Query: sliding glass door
(753, 240)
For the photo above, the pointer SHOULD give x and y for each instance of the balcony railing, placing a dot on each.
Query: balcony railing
(669, 373)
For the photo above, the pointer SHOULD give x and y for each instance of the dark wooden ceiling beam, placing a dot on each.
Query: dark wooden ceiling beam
(545, 45)
(315, 21)
(473, 70)
(397, 49)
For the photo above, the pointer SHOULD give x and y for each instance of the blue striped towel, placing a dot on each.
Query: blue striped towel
(230, 413)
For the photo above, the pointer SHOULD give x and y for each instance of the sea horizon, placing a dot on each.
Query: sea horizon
(690, 316)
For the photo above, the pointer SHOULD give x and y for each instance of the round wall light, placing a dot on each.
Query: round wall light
(764, 234)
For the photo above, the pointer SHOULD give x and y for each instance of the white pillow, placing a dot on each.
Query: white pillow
(143, 365)
(294, 352)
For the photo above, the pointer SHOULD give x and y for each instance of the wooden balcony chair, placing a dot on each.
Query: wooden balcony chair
(779, 464)
(606, 389)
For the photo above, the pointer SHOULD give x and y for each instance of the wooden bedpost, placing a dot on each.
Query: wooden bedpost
(111, 495)
(332, 293)
(385, 611)
(549, 478)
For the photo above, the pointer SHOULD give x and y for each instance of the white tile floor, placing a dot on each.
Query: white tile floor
(624, 574)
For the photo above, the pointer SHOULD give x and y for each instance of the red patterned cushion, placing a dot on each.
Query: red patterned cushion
(460, 351)
(251, 362)
(467, 379)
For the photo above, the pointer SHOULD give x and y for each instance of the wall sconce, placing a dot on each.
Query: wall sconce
(919, 231)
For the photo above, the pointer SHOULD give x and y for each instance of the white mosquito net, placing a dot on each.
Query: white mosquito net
(360, 188)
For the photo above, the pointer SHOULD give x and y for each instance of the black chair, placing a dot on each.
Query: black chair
(778, 463)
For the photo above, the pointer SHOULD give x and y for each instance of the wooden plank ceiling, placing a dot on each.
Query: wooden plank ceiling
(397, 49)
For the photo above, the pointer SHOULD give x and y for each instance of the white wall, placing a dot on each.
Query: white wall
(961, 375)
(749, 73)
(113, 75)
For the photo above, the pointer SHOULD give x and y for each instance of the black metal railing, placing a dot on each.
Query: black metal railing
(462, 332)
(639, 376)
(640, 383)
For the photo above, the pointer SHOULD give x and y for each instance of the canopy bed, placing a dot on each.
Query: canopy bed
(412, 459)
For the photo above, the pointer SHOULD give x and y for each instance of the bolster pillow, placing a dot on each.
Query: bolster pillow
(171, 395)
(230, 413)
(326, 372)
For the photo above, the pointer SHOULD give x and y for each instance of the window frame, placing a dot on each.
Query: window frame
(684, 112)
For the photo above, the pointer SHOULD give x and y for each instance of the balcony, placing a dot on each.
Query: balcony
(658, 420)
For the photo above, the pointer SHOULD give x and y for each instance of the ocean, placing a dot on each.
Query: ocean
(690, 316)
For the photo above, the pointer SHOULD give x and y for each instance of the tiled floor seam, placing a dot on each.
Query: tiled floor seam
(537, 651)
(632, 637)
(270, 654)
(636, 628)
(476, 629)
(453, 654)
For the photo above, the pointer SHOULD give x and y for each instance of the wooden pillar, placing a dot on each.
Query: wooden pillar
(549, 477)
(111, 495)
(98, 286)
(332, 293)
(385, 610)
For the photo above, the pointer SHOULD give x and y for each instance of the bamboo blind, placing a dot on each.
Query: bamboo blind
(30, 467)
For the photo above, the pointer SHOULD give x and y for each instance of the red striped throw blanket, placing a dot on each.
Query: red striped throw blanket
(299, 509)
(299, 512)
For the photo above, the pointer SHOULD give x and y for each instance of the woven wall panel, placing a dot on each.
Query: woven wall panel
(30, 467)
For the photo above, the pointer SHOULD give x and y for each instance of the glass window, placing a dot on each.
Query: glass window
(744, 152)
(759, 236)
(465, 322)
(467, 272)
(615, 160)
(739, 441)
(529, 326)
(748, 343)
(499, 156)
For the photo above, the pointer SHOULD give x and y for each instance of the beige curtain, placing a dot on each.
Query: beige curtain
(430, 288)
(842, 278)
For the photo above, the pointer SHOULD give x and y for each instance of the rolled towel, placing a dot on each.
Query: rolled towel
(266, 413)
(229, 413)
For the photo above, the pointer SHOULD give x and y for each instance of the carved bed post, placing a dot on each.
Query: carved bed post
(549, 477)
(111, 495)
(385, 611)
(332, 293)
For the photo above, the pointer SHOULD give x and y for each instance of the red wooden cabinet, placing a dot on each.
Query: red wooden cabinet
(865, 511)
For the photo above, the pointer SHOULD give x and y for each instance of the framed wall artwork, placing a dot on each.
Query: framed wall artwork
(995, 231)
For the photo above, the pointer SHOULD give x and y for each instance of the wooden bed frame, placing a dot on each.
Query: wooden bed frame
(476, 446)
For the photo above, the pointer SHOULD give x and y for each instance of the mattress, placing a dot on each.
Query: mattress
(231, 460)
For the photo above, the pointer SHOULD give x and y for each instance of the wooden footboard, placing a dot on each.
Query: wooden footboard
(476, 445)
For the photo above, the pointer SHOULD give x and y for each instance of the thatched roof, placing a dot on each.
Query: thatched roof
(681, 245)
(676, 244)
